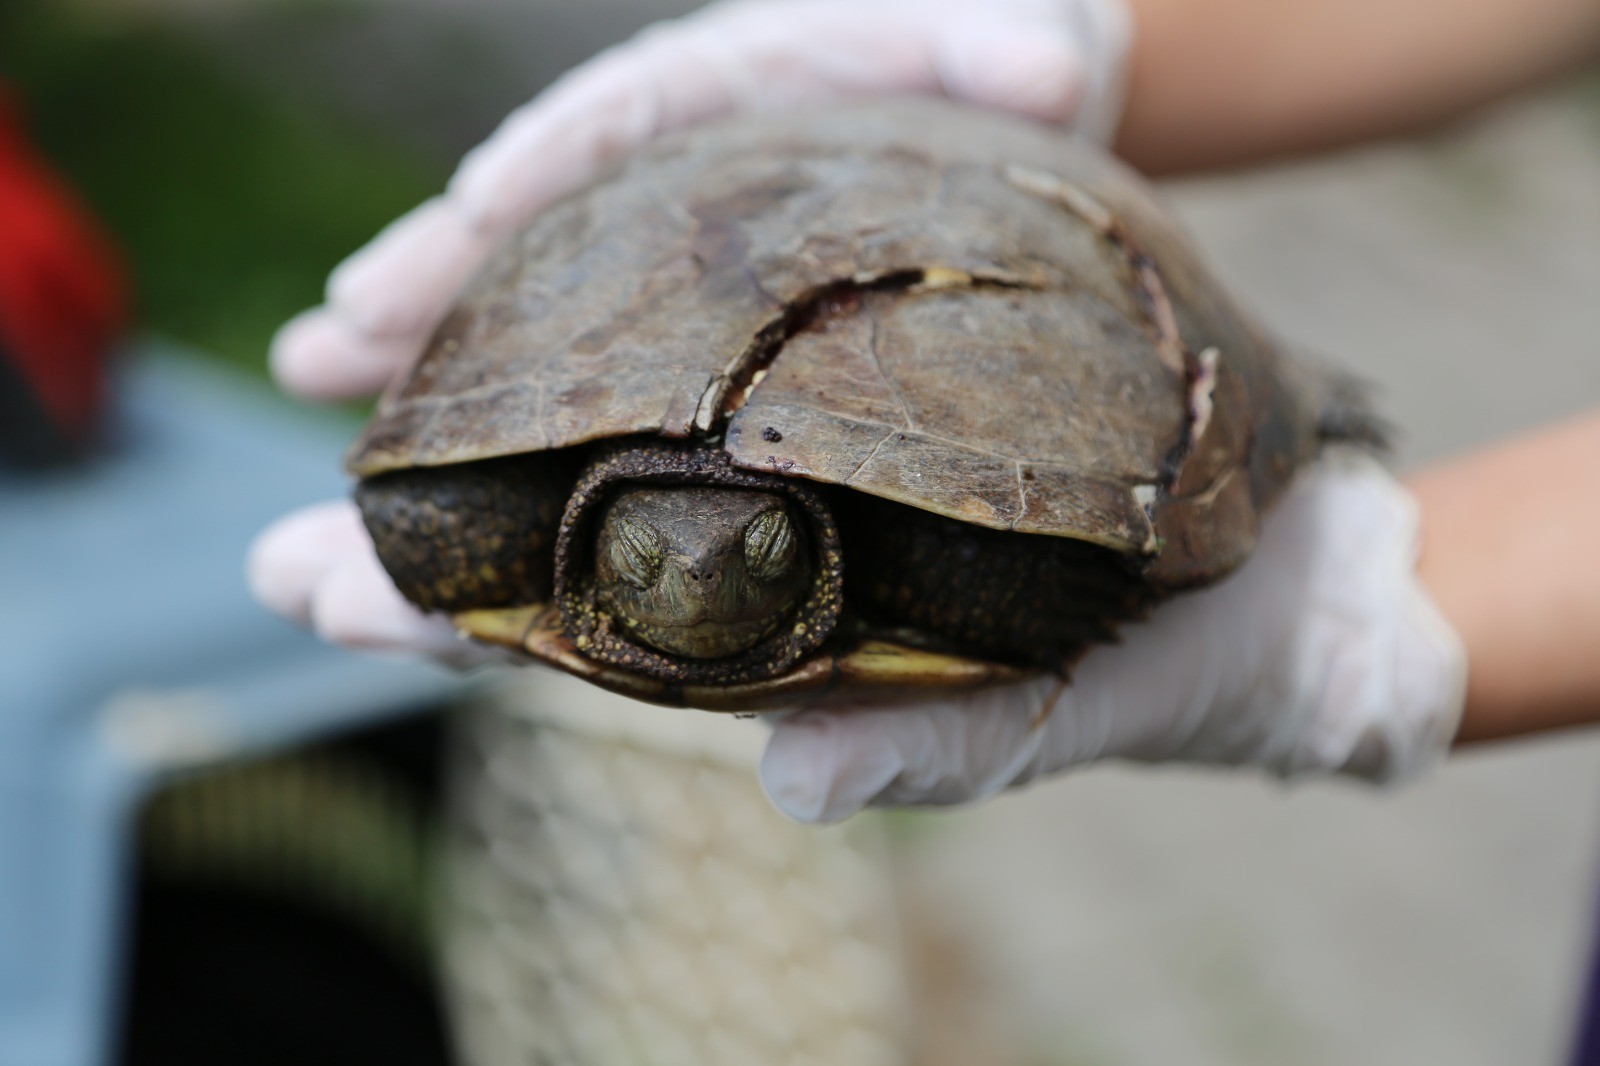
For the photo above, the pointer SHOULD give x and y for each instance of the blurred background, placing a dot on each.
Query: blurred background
(235, 150)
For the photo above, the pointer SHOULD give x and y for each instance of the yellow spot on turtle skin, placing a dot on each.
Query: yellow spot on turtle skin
(800, 629)
(488, 573)
(583, 640)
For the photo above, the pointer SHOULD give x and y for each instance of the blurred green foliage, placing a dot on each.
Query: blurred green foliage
(230, 204)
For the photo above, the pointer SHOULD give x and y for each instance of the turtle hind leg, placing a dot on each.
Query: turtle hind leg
(1011, 597)
(470, 536)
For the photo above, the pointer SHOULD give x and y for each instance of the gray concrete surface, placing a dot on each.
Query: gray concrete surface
(1170, 917)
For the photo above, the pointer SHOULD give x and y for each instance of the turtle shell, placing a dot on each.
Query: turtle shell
(954, 310)
(960, 312)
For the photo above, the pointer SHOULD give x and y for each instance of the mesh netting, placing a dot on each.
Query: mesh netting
(623, 893)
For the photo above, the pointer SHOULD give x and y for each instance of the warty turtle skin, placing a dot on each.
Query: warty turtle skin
(863, 401)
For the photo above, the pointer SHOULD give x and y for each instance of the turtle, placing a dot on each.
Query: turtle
(867, 402)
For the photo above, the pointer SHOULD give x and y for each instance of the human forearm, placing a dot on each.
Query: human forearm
(1510, 556)
(1224, 82)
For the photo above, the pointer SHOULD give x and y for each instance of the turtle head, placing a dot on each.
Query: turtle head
(698, 571)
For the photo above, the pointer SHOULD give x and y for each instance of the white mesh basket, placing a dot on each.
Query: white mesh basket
(622, 893)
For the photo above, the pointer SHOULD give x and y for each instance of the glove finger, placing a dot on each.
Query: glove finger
(673, 75)
(292, 557)
(1012, 68)
(1031, 57)
(357, 606)
(758, 56)
(553, 144)
(617, 102)
(401, 282)
(771, 56)
(825, 765)
(316, 567)
(320, 355)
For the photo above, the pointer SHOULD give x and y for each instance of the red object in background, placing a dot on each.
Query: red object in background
(63, 300)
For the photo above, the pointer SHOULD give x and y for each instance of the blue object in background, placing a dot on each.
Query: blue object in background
(130, 650)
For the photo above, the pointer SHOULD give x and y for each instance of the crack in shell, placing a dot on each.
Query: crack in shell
(728, 391)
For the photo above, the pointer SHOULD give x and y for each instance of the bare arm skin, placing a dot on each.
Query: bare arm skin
(1226, 82)
(1511, 554)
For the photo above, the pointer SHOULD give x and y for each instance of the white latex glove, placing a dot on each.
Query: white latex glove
(1055, 60)
(317, 567)
(1322, 654)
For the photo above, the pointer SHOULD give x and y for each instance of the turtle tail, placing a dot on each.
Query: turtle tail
(1343, 407)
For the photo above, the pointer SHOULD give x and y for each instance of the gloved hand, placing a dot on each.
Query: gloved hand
(1321, 654)
(1054, 60)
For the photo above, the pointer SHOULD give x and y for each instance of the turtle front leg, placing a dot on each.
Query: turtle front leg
(469, 536)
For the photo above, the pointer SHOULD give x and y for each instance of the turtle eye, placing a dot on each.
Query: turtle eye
(769, 546)
(636, 552)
